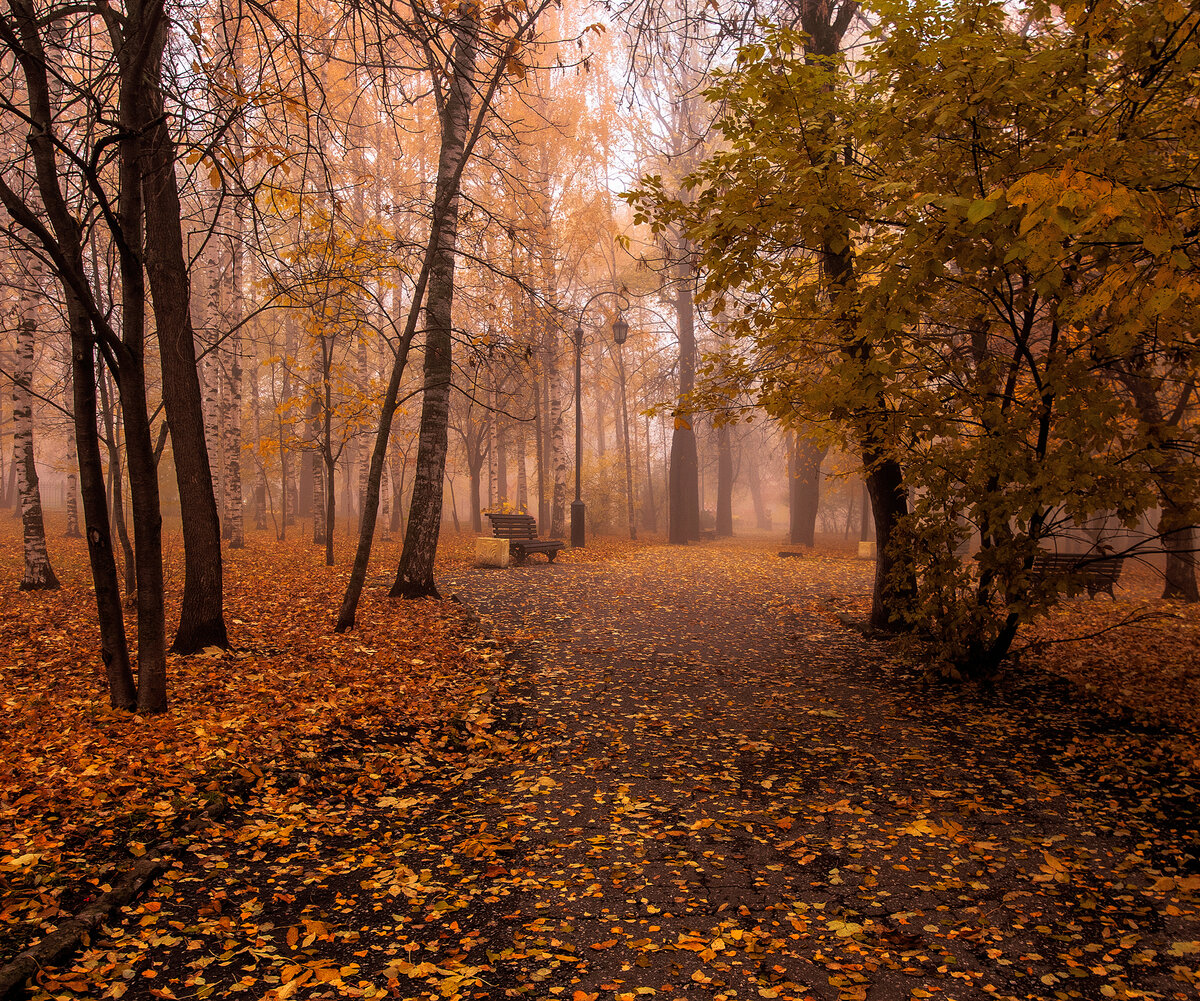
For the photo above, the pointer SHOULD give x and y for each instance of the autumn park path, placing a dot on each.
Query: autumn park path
(728, 793)
(644, 772)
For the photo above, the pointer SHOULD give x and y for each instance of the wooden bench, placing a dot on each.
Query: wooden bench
(521, 532)
(1098, 573)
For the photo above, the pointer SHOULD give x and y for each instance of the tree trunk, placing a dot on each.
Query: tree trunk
(415, 572)
(397, 492)
(38, 574)
(1174, 527)
(116, 477)
(475, 470)
(67, 242)
(201, 616)
(114, 648)
(385, 500)
(233, 396)
(804, 489)
(318, 501)
(630, 498)
(501, 460)
(414, 576)
(1180, 547)
(260, 473)
(233, 446)
(650, 512)
(762, 520)
(724, 483)
(144, 26)
(558, 436)
(522, 470)
(683, 487)
(291, 493)
(330, 501)
(72, 531)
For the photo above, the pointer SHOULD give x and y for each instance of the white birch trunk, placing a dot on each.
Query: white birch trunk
(38, 574)
(232, 416)
(72, 531)
(522, 474)
(210, 378)
(558, 433)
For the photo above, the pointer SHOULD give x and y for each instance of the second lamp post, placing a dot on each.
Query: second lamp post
(620, 331)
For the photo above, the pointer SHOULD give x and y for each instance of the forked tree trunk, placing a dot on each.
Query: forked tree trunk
(114, 648)
(67, 241)
(38, 574)
(414, 576)
(415, 573)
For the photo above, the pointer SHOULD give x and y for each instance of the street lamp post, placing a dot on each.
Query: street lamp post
(578, 509)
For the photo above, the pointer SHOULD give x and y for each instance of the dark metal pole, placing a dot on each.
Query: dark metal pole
(577, 506)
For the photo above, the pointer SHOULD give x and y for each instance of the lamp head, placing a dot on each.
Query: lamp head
(620, 329)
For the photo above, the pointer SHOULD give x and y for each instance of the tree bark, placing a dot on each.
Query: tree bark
(144, 25)
(414, 576)
(683, 487)
(114, 647)
(558, 437)
(201, 616)
(650, 511)
(1180, 546)
(232, 417)
(630, 499)
(415, 572)
(38, 574)
(804, 489)
(72, 530)
(762, 520)
(318, 485)
(64, 243)
(724, 525)
(474, 471)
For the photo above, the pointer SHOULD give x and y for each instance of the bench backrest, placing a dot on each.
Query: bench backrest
(513, 526)
(1103, 568)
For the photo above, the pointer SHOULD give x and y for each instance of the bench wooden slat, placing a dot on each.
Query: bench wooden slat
(521, 531)
(1098, 573)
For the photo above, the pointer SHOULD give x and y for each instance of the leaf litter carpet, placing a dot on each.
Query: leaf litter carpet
(696, 783)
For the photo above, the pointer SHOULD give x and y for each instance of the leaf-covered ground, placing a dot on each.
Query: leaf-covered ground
(698, 783)
(83, 788)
